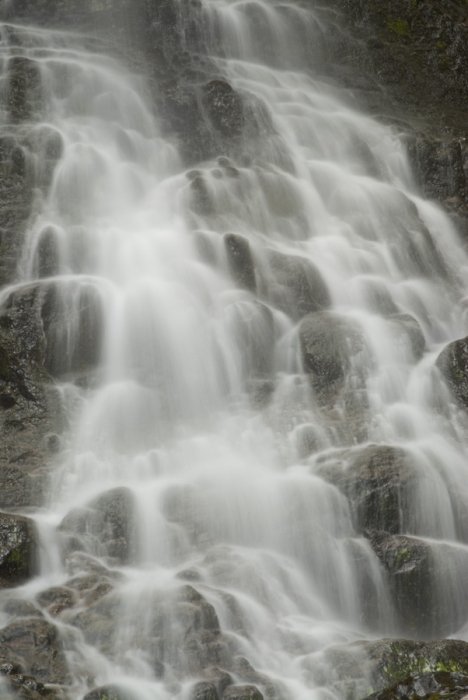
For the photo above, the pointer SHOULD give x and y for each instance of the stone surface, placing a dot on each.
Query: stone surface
(35, 644)
(296, 286)
(240, 261)
(105, 527)
(18, 550)
(453, 363)
(242, 692)
(379, 482)
(434, 685)
(426, 582)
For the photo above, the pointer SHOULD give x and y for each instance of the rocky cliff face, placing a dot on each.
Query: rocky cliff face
(408, 61)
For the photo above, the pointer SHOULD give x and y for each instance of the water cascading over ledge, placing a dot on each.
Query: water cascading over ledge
(230, 461)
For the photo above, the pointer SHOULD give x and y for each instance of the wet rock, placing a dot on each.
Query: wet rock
(24, 88)
(254, 330)
(48, 254)
(298, 287)
(379, 482)
(109, 692)
(453, 363)
(224, 108)
(218, 678)
(393, 660)
(21, 608)
(203, 691)
(72, 318)
(99, 624)
(242, 692)
(240, 261)
(426, 581)
(107, 525)
(410, 333)
(18, 550)
(56, 600)
(328, 342)
(36, 645)
(433, 685)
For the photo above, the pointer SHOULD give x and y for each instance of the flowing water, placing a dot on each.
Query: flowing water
(182, 373)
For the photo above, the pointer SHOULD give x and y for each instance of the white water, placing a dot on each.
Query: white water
(224, 488)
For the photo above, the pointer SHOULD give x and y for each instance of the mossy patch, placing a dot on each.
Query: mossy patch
(399, 26)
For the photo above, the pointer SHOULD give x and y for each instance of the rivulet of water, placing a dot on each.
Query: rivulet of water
(184, 374)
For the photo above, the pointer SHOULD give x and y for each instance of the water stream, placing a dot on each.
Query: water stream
(192, 384)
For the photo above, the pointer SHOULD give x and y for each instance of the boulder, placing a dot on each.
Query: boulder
(106, 525)
(427, 583)
(24, 88)
(109, 692)
(203, 691)
(434, 685)
(328, 343)
(295, 285)
(453, 363)
(240, 261)
(56, 599)
(35, 644)
(18, 550)
(393, 660)
(242, 692)
(378, 480)
(410, 334)
(223, 107)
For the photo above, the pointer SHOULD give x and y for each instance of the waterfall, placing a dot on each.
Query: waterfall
(244, 352)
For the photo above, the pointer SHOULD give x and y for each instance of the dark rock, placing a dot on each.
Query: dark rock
(24, 88)
(426, 582)
(240, 261)
(18, 550)
(203, 691)
(109, 692)
(393, 660)
(453, 363)
(298, 287)
(224, 108)
(242, 692)
(218, 678)
(21, 608)
(378, 480)
(410, 332)
(56, 600)
(434, 685)
(107, 525)
(35, 644)
(328, 341)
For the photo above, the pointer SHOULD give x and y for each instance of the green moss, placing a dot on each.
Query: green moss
(399, 26)
(441, 45)
(444, 64)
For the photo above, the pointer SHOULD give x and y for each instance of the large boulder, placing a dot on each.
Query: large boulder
(109, 692)
(295, 285)
(453, 363)
(18, 550)
(427, 583)
(106, 526)
(329, 342)
(240, 261)
(378, 480)
(435, 685)
(35, 644)
(242, 692)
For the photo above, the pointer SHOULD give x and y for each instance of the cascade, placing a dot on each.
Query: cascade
(253, 440)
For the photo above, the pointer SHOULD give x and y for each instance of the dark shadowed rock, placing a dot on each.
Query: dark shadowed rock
(426, 581)
(36, 645)
(109, 692)
(106, 525)
(240, 261)
(328, 342)
(434, 685)
(224, 108)
(24, 88)
(453, 363)
(297, 287)
(242, 692)
(18, 550)
(378, 480)
(203, 691)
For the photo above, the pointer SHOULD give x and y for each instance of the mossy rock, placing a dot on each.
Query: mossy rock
(453, 363)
